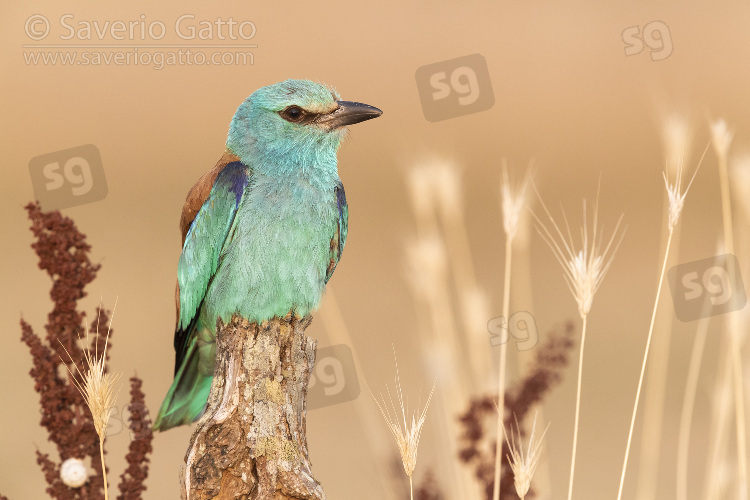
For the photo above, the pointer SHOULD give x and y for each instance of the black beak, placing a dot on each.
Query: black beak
(348, 113)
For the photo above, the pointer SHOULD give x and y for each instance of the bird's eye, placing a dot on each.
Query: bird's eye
(293, 114)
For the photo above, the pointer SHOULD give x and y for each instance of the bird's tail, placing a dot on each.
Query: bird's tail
(187, 397)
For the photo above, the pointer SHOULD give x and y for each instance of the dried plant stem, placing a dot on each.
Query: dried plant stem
(454, 382)
(648, 462)
(523, 301)
(719, 431)
(462, 268)
(512, 203)
(739, 406)
(104, 468)
(734, 343)
(578, 408)
(688, 403)
(501, 376)
(645, 359)
(726, 206)
(471, 336)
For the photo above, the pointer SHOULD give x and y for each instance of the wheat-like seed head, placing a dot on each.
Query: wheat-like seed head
(98, 386)
(407, 437)
(419, 181)
(523, 464)
(586, 267)
(674, 191)
(98, 389)
(513, 201)
(677, 136)
(447, 185)
(721, 137)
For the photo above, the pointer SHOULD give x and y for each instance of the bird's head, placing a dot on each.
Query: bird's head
(293, 124)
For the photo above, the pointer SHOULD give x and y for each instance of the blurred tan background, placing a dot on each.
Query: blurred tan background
(565, 94)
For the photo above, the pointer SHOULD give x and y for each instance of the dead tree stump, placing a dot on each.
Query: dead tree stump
(251, 443)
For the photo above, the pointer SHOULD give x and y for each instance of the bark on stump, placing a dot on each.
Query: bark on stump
(251, 443)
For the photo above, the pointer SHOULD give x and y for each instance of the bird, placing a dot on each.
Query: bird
(262, 231)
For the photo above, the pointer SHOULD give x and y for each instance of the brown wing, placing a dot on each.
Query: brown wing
(193, 203)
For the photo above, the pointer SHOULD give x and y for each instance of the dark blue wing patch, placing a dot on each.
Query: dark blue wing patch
(339, 238)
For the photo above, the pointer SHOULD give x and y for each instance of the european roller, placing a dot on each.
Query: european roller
(262, 231)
